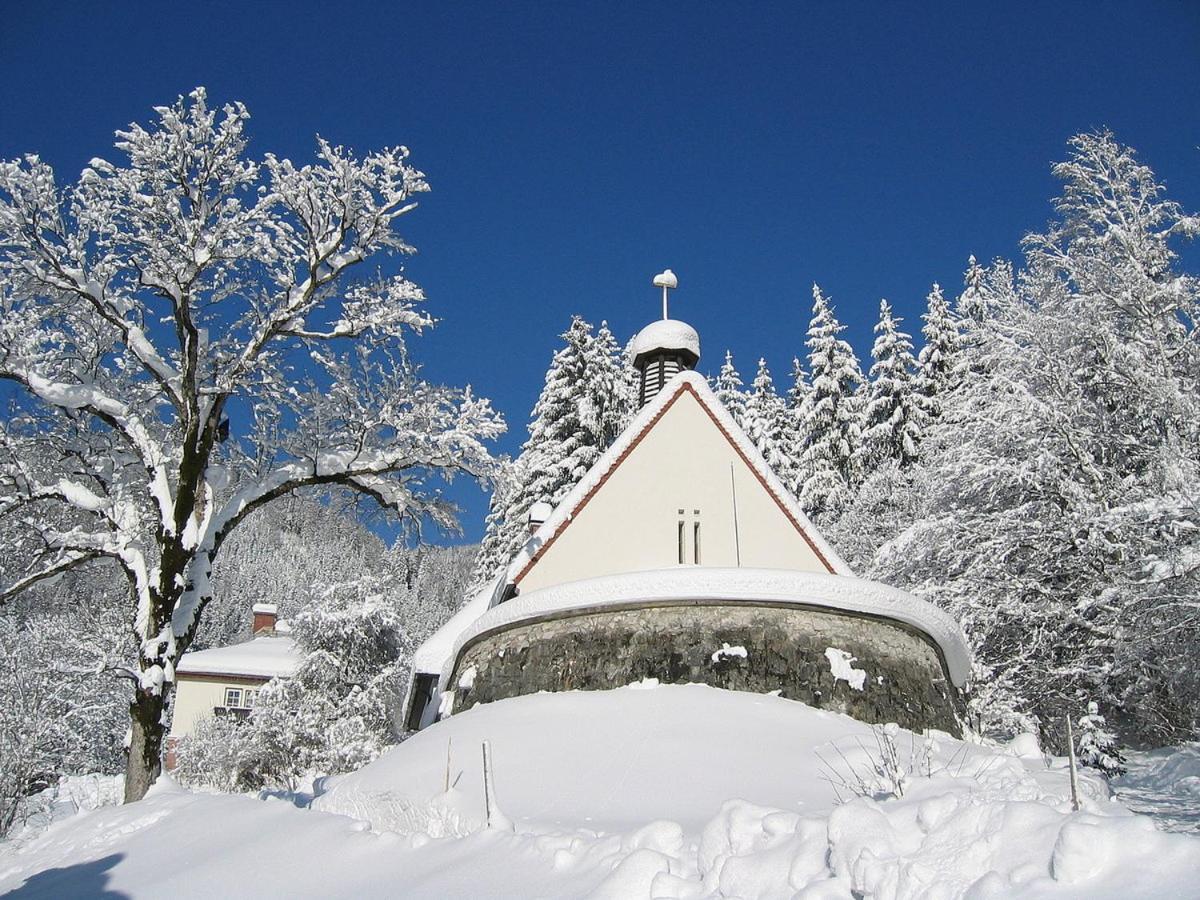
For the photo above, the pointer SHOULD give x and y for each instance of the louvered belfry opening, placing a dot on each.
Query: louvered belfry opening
(661, 351)
(657, 371)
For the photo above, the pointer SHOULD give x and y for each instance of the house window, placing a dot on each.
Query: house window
(682, 536)
(233, 698)
(249, 698)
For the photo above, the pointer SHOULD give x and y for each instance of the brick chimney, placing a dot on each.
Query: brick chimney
(264, 618)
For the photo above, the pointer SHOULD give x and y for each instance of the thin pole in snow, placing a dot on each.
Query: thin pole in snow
(1074, 771)
(737, 542)
(487, 783)
(446, 789)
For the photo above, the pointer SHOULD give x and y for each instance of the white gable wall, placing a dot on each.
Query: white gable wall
(631, 523)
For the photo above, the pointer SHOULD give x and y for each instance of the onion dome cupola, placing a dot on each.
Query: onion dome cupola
(663, 348)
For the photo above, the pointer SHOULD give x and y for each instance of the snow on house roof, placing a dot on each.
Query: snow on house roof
(666, 334)
(430, 657)
(699, 583)
(266, 656)
(621, 447)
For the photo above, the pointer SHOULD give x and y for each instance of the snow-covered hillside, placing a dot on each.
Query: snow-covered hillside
(656, 792)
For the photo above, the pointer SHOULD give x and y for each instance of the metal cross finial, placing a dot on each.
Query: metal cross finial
(665, 280)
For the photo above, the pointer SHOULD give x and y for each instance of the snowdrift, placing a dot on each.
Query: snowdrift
(645, 792)
(610, 760)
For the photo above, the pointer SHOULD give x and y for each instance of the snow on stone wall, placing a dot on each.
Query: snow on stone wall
(755, 586)
(762, 649)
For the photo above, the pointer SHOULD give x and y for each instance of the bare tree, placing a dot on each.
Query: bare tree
(188, 344)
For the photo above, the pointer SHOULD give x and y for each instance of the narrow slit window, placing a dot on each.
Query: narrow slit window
(681, 548)
(696, 542)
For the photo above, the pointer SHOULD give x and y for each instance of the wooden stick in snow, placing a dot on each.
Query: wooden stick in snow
(446, 789)
(487, 783)
(1074, 771)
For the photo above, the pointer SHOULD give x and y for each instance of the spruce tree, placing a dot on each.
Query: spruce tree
(583, 406)
(797, 400)
(766, 423)
(832, 431)
(973, 301)
(498, 536)
(892, 417)
(938, 364)
(801, 386)
(728, 388)
(1098, 747)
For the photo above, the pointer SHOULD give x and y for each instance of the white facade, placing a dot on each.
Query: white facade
(681, 493)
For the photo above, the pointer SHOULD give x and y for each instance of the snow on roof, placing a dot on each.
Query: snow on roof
(268, 608)
(666, 334)
(262, 657)
(646, 417)
(835, 592)
(430, 657)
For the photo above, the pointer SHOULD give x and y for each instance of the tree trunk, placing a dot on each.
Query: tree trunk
(146, 736)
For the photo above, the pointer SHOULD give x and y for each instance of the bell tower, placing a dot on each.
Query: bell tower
(663, 348)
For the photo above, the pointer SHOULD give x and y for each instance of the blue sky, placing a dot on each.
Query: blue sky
(575, 149)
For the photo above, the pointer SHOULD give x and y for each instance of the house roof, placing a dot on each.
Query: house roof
(267, 656)
(431, 655)
(696, 385)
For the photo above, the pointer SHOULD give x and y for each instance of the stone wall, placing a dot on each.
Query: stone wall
(785, 651)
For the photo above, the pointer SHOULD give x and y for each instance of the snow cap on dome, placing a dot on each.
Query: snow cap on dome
(666, 335)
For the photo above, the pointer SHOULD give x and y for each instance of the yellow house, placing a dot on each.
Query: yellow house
(225, 681)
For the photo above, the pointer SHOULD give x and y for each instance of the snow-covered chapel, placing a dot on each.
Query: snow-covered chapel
(681, 557)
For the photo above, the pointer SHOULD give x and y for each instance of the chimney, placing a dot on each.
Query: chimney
(538, 513)
(264, 618)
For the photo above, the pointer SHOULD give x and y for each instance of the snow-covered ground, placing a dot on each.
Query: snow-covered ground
(1165, 784)
(646, 792)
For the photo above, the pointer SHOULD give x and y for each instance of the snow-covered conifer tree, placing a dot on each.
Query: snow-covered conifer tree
(831, 425)
(801, 387)
(798, 397)
(1098, 746)
(892, 416)
(729, 390)
(973, 302)
(766, 423)
(1060, 520)
(613, 367)
(938, 363)
(583, 406)
(150, 309)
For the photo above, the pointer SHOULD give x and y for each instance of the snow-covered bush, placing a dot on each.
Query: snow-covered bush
(224, 752)
(63, 704)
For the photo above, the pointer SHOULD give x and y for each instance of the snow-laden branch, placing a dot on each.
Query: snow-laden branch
(128, 423)
(68, 560)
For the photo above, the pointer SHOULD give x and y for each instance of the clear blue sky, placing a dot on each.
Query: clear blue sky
(575, 149)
